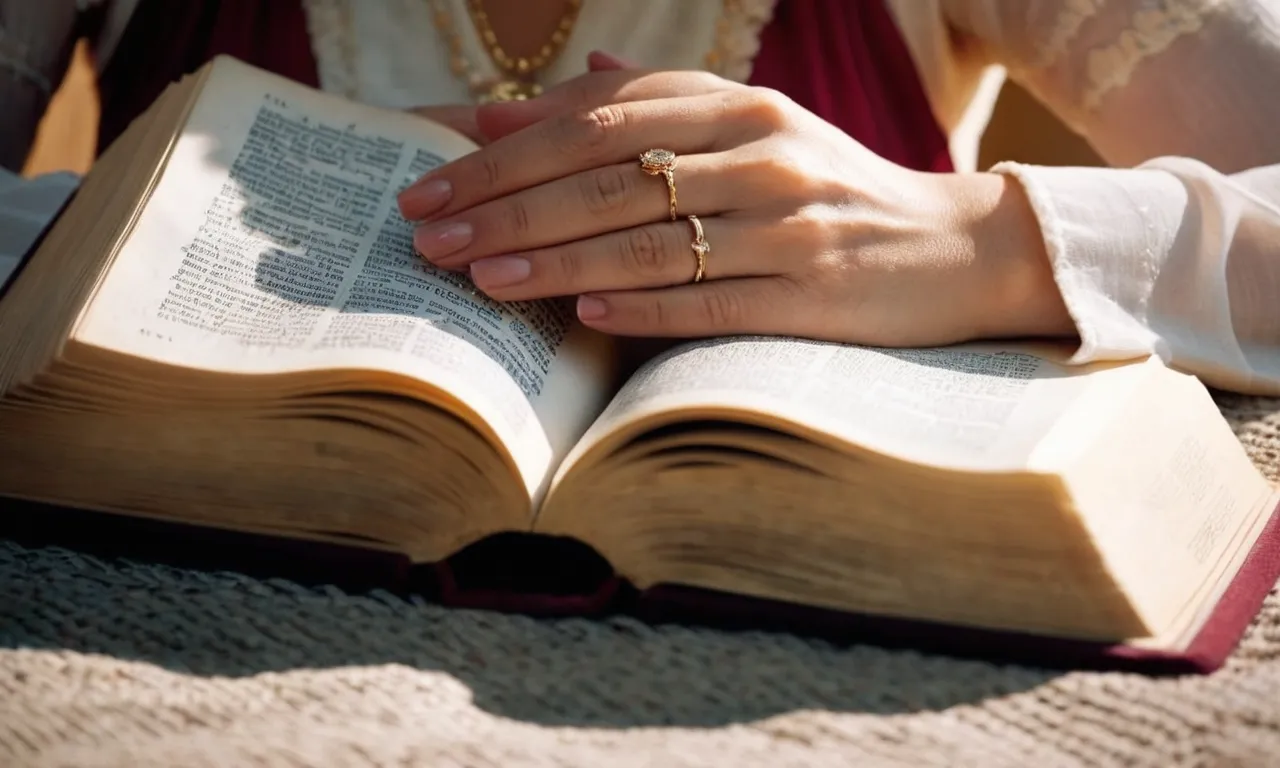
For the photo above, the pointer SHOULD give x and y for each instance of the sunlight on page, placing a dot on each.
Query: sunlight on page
(974, 407)
(297, 258)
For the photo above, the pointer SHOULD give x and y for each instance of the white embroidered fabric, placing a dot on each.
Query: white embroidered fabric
(1180, 258)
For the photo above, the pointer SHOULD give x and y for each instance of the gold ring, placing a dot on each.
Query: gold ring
(700, 248)
(662, 161)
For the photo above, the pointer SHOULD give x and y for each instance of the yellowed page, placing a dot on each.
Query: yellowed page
(976, 407)
(1165, 489)
(273, 244)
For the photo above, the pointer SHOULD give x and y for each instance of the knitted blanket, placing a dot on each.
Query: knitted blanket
(118, 663)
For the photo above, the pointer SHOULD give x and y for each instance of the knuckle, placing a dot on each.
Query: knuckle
(606, 191)
(653, 315)
(822, 269)
(515, 217)
(568, 267)
(789, 169)
(721, 308)
(792, 169)
(818, 250)
(768, 106)
(791, 289)
(591, 129)
(579, 92)
(491, 169)
(644, 251)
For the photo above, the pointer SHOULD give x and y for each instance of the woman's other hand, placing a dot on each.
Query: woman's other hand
(459, 117)
(811, 234)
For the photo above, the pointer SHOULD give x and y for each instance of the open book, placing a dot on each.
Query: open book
(228, 327)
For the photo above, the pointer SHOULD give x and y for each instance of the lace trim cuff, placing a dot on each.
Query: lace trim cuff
(1153, 29)
(1098, 45)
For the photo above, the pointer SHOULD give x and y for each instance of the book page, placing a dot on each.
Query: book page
(976, 407)
(1168, 493)
(273, 244)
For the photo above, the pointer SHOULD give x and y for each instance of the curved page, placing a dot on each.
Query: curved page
(273, 244)
(972, 407)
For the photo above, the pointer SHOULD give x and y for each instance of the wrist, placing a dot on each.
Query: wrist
(1017, 295)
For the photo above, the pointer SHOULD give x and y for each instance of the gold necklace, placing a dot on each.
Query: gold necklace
(518, 83)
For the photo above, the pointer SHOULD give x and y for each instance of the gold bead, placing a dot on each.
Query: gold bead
(516, 67)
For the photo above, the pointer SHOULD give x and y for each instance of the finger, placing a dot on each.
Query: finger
(763, 305)
(460, 118)
(649, 256)
(607, 85)
(584, 204)
(620, 84)
(602, 61)
(572, 143)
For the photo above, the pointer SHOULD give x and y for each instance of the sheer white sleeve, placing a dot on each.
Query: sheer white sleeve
(1178, 254)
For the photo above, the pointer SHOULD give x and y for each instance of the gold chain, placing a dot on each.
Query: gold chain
(518, 84)
(521, 69)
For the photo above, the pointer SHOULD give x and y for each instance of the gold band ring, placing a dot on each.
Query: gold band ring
(700, 248)
(662, 161)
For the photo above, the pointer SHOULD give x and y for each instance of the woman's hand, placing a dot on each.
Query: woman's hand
(811, 234)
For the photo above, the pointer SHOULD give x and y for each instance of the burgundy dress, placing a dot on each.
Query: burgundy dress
(844, 60)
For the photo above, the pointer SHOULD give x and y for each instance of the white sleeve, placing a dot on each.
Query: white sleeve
(1178, 254)
(27, 206)
(1172, 258)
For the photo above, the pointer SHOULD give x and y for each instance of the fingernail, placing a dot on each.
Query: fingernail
(424, 199)
(499, 271)
(590, 308)
(437, 241)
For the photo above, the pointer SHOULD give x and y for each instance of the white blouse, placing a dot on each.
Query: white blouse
(1178, 255)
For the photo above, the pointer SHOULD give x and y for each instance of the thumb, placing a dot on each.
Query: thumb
(600, 61)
